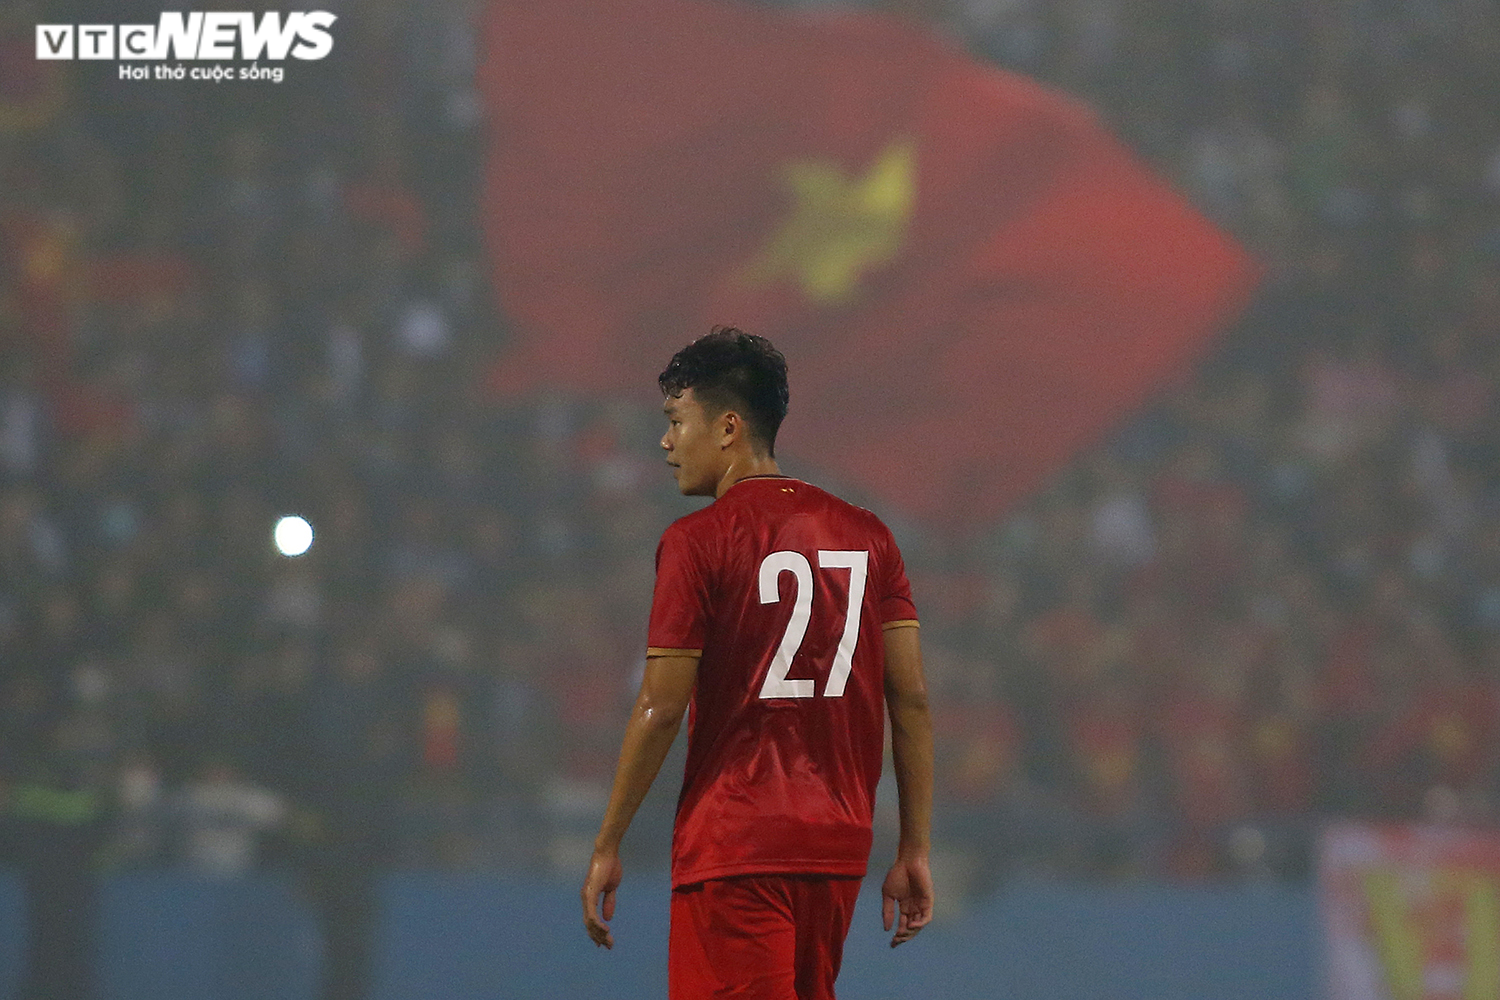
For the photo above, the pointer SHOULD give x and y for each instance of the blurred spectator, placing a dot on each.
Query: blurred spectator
(220, 817)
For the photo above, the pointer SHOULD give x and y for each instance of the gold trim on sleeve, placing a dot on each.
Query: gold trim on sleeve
(901, 623)
(659, 651)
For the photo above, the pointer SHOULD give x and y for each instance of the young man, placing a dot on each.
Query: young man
(783, 615)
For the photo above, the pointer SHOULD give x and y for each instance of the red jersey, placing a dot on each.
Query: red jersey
(783, 590)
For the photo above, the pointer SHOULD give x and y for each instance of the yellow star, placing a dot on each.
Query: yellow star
(840, 226)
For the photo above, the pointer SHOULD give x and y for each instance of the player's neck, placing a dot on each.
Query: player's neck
(743, 468)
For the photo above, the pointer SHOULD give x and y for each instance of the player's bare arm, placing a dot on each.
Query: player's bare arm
(908, 885)
(654, 721)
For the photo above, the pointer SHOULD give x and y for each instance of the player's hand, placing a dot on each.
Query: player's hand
(602, 879)
(908, 885)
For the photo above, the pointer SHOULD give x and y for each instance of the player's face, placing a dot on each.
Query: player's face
(694, 446)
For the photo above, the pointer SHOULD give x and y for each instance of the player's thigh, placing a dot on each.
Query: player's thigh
(732, 937)
(823, 909)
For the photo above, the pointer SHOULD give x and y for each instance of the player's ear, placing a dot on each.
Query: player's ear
(731, 428)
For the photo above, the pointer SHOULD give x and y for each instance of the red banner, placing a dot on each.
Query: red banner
(1411, 913)
(969, 277)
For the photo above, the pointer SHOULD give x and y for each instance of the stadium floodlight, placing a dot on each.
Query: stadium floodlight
(293, 535)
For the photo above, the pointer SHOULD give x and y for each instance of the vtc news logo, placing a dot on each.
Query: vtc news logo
(197, 36)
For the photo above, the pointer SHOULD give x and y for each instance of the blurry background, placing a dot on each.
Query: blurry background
(1270, 599)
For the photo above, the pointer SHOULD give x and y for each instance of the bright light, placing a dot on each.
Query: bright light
(294, 535)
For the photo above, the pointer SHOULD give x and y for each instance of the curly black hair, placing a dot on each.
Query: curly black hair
(729, 369)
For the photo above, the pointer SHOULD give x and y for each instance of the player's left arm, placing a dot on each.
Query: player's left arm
(654, 721)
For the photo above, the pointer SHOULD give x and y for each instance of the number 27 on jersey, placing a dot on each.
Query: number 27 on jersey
(857, 562)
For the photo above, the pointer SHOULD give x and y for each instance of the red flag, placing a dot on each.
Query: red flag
(969, 277)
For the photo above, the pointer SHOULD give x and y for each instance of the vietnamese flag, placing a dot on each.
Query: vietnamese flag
(971, 279)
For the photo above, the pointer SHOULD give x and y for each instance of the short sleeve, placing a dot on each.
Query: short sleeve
(679, 604)
(896, 606)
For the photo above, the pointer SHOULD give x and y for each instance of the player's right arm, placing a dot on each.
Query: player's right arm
(908, 885)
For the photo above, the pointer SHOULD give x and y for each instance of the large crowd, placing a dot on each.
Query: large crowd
(1270, 599)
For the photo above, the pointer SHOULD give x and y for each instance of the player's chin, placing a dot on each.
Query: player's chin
(687, 486)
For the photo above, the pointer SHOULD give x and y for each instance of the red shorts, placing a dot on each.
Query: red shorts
(760, 937)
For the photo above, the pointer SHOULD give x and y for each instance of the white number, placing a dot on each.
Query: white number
(858, 565)
(776, 685)
(857, 562)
